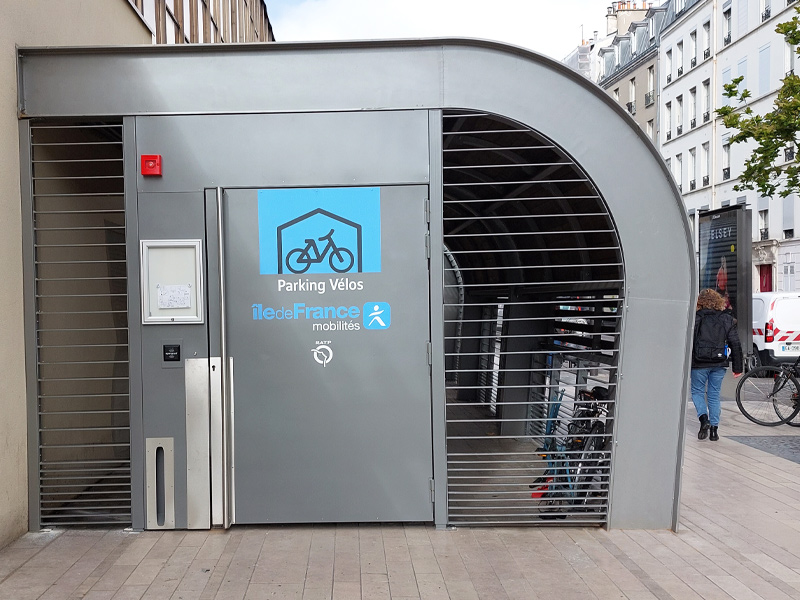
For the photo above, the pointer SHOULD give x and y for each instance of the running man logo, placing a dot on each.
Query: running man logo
(377, 315)
(319, 230)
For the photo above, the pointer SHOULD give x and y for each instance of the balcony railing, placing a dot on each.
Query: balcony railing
(788, 154)
(631, 107)
(764, 234)
(649, 98)
(669, 77)
(680, 71)
(705, 180)
(693, 62)
(669, 135)
(692, 184)
(706, 116)
(680, 130)
(766, 14)
(726, 173)
(727, 39)
(706, 53)
(693, 123)
(680, 187)
(790, 72)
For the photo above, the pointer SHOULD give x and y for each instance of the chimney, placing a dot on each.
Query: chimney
(611, 20)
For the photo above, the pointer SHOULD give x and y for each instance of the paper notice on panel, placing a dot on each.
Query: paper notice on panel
(174, 296)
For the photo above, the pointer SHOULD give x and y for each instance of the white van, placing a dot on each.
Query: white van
(776, 327)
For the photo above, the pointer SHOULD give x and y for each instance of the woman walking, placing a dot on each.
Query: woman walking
(713, 329)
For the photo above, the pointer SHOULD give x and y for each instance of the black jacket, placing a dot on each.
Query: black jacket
(731, 338)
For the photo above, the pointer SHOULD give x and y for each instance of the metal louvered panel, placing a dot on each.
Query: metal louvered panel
(81, 324)
(534, 256)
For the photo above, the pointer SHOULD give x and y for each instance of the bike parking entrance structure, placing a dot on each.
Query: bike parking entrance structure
(513, 244)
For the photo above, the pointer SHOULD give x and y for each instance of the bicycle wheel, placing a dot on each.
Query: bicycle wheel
(341, 260)
(767, 395)
(788, 411)
(297, 261)
(589, 467)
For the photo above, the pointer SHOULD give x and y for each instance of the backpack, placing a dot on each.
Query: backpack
(710, 335)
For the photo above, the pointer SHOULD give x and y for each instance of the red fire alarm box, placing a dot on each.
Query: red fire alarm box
(151, 164)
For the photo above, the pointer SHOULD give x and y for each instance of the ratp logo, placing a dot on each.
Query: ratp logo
(319, 230)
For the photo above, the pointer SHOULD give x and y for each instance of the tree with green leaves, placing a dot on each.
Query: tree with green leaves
(771, 132)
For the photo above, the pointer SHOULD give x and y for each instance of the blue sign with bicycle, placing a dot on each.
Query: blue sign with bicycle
(319, 230)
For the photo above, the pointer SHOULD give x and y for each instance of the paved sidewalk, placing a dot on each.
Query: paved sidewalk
(740, 538)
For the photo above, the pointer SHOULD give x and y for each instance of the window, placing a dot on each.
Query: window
(616, 94)
(706, 39)
(726, 160)
(726, 27)
(766, 9)
(763, 70)
(705, 158)
(791, 56)
(679, 171)
(650, 129)
(726, 79)
(741, 70)
(693, 48)
(679, 57)
(668, 119)
(679, 114)
(692, 168)
(693, 108)
(763, 224)
(650, 96)
(788, 275)
(668, 65)
(706, 100)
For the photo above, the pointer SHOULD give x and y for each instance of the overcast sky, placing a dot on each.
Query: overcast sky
(552, 27)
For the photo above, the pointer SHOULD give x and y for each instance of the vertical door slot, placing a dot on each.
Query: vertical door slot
(160, 476)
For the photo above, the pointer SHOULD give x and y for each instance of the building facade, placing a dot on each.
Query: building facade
(701, 46)
(206, 21)
(628, 68)
(95, 23)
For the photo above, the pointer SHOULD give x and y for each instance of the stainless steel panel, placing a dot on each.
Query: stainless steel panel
(218, 464)
(148, 81)
(198, 432)
(168, 447)
(277, 150)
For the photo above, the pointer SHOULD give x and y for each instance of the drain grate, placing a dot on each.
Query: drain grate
(785, 446)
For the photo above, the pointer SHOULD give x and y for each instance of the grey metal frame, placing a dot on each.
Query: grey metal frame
(134, 339)
(29, 297)
(436, 272)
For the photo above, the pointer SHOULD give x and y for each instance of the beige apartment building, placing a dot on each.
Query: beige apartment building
(628, 67)
(26, 23)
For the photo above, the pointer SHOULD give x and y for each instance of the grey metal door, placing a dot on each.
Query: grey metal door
(327, 323)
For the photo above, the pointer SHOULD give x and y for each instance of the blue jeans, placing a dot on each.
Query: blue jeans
(711, 377)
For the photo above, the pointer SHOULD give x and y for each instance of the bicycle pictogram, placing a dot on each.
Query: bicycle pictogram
(340, 259)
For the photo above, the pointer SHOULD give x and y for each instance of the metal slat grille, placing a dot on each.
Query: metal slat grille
(533, 294)
(81, 324)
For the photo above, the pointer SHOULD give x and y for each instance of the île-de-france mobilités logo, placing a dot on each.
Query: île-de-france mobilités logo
(319, 230)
